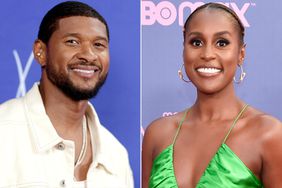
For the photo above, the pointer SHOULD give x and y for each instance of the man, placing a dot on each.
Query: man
(52, 137)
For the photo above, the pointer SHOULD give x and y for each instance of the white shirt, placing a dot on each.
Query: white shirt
(33, 155)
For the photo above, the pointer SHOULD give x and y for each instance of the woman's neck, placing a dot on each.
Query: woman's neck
(218, 106)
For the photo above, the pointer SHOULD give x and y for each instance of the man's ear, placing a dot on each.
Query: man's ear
(40, 52)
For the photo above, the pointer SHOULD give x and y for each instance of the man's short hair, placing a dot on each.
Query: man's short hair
(63, 10)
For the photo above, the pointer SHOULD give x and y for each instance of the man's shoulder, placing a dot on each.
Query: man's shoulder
(109, 143)
(114, 154)
(108, 139)
(12, 110)
(13, 122)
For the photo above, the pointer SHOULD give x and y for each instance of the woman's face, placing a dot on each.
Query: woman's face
(212, 50)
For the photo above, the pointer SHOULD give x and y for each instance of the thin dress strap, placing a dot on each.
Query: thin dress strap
(180, 124)
(234, 122)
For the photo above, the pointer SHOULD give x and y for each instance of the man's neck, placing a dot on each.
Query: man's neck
(65, 114)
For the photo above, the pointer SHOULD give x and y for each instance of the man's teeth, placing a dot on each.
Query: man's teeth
(84, 71)
(208, 70)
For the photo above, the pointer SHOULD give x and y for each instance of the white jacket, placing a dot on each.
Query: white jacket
(29, 156)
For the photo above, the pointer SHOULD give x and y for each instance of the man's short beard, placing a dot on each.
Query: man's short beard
(68, 88)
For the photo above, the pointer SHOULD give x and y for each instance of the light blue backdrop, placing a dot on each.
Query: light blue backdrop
(118, 101)
(164, 93)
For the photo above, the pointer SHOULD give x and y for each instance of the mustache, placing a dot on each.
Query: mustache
(84, 63)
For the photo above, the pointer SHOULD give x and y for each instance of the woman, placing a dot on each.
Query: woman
(219, 141)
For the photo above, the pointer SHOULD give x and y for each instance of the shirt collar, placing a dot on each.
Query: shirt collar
(43, 133)
(101, 145)
(45, 136)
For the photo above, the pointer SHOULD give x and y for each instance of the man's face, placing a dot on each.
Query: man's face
(78, 56)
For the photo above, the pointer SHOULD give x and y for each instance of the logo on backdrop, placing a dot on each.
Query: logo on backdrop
(165, 114)
(22, 72)
(165, 13)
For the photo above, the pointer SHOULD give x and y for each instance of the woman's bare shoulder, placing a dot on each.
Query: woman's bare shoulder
(263, 120)
(164, 125)
(269, 137)
(269, 126)
(161, 131)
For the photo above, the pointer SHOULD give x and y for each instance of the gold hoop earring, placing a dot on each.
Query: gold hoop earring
(181, 75)
(242, 76)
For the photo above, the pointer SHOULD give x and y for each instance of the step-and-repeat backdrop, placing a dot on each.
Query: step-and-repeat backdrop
(118, 101)
(163, 93)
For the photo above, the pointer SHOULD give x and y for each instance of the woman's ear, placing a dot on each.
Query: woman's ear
(40, 52)
(242, 54)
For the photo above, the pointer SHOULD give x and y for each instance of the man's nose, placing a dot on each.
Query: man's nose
(87, 53)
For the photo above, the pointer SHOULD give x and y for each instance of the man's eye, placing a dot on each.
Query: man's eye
(72, 42)
(196, 42)
(99, 45)
(222, 43)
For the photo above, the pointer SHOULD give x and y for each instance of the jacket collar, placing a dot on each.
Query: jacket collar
(45, 137)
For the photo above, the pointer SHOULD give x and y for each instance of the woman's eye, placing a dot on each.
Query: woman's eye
(196, 43)
(222, 43)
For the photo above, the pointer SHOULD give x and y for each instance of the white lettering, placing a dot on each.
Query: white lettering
(165, 114)
(165, 12)
(22, 73)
